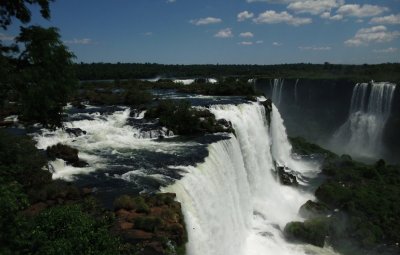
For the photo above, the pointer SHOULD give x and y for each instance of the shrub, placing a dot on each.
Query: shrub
(124, 202)
(68, 230)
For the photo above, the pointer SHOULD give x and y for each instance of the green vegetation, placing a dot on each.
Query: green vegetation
(40, 77)
(181, 118)
(311, 231)
(131, 93)
(229, 87)
(362, 199)
(39, 216)
(302, 147)
(104, 71)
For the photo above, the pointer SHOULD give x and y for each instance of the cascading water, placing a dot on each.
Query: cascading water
(277, 87)
(361, 135)
(233, 203)
(295, 90)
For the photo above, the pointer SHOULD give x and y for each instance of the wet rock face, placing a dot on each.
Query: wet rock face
(64, 152)
(312, 209)
(268, 109)
(286, 178)
(75, 131)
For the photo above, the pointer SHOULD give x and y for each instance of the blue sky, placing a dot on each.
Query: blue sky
(227, 31)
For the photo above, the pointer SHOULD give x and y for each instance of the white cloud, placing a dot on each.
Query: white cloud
(327, 15)
(377, 34)
(271, 1)
(390, 19)
(388, 50)
(366, 10)
(259, 42)
(316, 48)
(277, 44)
(205, 21)
(4, 37)
(224, 33)
(171, 1)
(246, 34)
(148, 33)
(245, 43)
(244, 15)
(272, 17)
(313, 6)
(83, 41)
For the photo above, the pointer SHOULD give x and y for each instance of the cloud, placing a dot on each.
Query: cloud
(4, 37)
(316, 48)
(83, 41)
(356, 10)
(271, 1)
(148, 33)
(388, 50)
(327, 15)
(244, 15)
(205, 21)
(171, 1)
(259, 42)
(245, 43)
(246, 34)
(377, 34)
(390, 19)
(277, 44)
(224, 33)
(314, 7)
(272, 17)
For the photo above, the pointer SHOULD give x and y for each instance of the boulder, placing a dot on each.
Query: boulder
(123, 225)
(311, 231)
(311, 209)
(286, 178)
(70, 155)
(136, 235)
(75, 131)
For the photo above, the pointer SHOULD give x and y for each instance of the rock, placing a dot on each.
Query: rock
(135, 235)
(268, 109)
(87, 191)
(123, 225)
(6, 123)
(75, 131)
(70, 155)
(311, 231)
(311, 209)
(157, 246)
(286, 178)
(35, 209)
(78, 105)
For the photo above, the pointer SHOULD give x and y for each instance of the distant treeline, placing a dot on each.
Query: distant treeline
(108, 71)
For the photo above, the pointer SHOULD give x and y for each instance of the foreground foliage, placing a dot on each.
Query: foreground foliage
(364, 204)
(66, 228)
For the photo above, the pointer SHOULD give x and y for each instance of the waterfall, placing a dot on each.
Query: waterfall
(295, 91)
(277, 87)
(232, 202)
(361, 135)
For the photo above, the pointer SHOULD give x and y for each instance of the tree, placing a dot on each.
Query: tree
(20, 10)
(45, 75)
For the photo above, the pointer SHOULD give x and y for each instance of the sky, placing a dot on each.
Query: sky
(226, 31)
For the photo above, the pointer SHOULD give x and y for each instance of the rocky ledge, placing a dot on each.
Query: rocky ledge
(150, 224)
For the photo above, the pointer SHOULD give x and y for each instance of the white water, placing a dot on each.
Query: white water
(295, 90)
(105, 135)
(361, 135)
(233, 203)
(277, 87)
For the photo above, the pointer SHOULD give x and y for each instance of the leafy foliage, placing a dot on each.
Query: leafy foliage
(106, 71)
(69, 230)
(46, 77)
